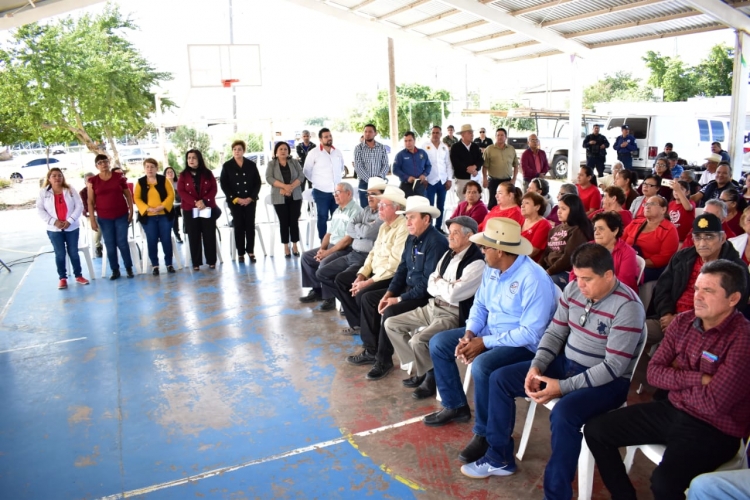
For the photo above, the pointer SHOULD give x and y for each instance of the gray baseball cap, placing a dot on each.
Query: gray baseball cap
(464, 221)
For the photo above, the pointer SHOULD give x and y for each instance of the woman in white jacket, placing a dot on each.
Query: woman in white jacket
(60, 207)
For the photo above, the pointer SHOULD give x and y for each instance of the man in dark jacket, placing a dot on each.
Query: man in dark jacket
(596, 150)
(466, 158)
(674, 290)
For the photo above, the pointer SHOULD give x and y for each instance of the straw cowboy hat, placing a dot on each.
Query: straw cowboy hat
(713, 157)
(394, 194)
(466, 128)
(376, 184)
(503, 234)
(420, 205)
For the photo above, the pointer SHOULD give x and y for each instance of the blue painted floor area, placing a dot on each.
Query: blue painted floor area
(177, 375)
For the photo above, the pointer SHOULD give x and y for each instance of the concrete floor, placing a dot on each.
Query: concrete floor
(217, 384)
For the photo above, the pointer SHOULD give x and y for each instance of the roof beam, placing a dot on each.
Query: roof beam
(723, 13)
(530, 56)
(431, 19)
(463, 27)
(507, 47)
(496, 16)
(601, 12)
(484, 38)
(364, 3)
(541, 6)
(658, 36)
(632, 24)
(402, 9)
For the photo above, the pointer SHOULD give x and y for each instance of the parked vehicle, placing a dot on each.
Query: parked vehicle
(37, 168)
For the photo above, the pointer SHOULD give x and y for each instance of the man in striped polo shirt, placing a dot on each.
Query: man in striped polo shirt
(585, 358)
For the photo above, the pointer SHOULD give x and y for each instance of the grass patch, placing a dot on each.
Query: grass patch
(4, 183)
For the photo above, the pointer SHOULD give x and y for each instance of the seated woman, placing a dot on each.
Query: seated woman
(566, 188)
(574, 230)
(653, 238)
(541, 186)
(606, 181)
(650, 187)
(154, 197)
(508, 204)
(661, 168)
(588, 191)
(614, 199)
(740, 242)
(735, 206)
(681, 210)
(472, 206)
(627, 180)
(535, 227)
(608, 228)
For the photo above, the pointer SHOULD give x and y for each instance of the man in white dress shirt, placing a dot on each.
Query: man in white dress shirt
(441, 175)
(324, 168)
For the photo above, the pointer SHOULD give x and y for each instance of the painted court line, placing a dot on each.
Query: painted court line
(15, 291)
(271, 458)
(43, 345)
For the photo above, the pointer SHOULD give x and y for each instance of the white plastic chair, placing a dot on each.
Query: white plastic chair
(232, 243)
(312, 216)
(144, 255)
(135, 254)
(641, 267)
(86, 251)
(699, 211)
(188, 256)
(655, 452)
(467, 382)
(271, 220)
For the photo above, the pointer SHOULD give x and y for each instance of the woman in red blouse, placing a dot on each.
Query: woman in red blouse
(614, 199)
(682, 209)
(607, 230)
(508, 204)
(197, 188)
(588, 191)
(535, 227)
(654, 238)
(472, 206)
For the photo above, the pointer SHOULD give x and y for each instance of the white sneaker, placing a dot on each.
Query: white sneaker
(482, 469)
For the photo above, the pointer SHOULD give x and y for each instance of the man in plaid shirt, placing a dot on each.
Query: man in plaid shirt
(703, 363)
(370, 160)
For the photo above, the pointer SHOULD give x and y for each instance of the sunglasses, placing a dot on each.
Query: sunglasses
(585, 316)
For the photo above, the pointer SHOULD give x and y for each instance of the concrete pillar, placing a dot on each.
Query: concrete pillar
(392, 100)
(739, 103)
(576, 117)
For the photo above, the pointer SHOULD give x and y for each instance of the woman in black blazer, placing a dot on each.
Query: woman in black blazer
(240, 182)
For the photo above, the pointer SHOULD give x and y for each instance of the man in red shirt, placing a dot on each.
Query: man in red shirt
(703, 363)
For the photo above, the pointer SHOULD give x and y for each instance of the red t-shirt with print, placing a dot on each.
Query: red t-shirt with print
(685, 302)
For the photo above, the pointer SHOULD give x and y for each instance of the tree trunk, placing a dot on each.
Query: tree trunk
(113, 145)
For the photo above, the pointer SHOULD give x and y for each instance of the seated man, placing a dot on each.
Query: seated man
(452, 285)
(408, 289)
(355, 284)
(335, 243)
(674, 289)
(513, 306)
(363, 230)
(585, 358)
(719, 209)
(702, 362)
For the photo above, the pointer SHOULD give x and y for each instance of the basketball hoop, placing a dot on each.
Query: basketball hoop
(228, 83)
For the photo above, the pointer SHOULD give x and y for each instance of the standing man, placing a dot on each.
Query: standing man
(625, 145)
(712, 164)
(441, 175)
(533, 162)
(412, 166)
(500, 165)
(370, 160)
(303, 148)
(668, 148)
(324, 167)
(450, 139)
(596, 150)
(466, 159)
(716, 149)
(483, 141)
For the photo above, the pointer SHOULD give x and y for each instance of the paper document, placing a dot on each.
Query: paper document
(205, 213)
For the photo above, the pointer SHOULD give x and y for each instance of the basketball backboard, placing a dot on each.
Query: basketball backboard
(210, 65)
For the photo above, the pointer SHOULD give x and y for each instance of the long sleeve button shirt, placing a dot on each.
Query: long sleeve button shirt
(500, 162)
(340, 221)
(624, 145)
(512, 308)
(324, 169)
(411, 164)
(607, 343)
(440, 159)
(418, 261)
(687, 352)
(385, 256)
(363, 229)
(447, 288)
(370, 162)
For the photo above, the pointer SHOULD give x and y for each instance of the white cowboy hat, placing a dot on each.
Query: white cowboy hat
(503, 234)
(376, 184)
(466, 128)
(713, 157)
(421, 205)
(394, 194)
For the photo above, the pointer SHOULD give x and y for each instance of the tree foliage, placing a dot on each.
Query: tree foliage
(253, 142)
(423, 114)
(618, 87)
(517, 124)
(186, 138)
(75, 80)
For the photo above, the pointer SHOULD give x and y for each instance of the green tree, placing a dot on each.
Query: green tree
(186, 138)
(680, 81)
(253, 142)
(517, 124)
(618, 87)
(423, 114)
(658, 65)
(714, 73)
(316, 121)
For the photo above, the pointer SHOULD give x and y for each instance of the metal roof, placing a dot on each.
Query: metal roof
(511, 30)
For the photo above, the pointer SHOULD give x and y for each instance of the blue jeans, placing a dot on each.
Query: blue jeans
(627, 161)
(65, 242)
(362, 193)
(437, 189)
(720, 485)
(115, 234)
(326, 205)
(568, 416)
(159, 227)
(442, 351)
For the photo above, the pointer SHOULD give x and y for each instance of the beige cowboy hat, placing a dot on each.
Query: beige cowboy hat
(420, 205)
(713, 157)
(503, 234)
(376, 183)
(466, 128)
(394, 194)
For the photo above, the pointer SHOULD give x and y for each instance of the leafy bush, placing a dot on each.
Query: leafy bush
(4, 183)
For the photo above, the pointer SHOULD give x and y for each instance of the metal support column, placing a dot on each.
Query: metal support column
(392, 102)
(576, 118)
(739, 104)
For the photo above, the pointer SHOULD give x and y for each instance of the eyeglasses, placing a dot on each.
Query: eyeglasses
(483, 248)
(481, 131)
(650, 185)
(337, 192)
(705, 237)
(384, 205)
(585, 315)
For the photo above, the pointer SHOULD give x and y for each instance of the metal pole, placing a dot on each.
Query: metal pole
(392, 104)
(234, 90)
(160, 125)
(575, 119)
(739, 105)
(411, 125)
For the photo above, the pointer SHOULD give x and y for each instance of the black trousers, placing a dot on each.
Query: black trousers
(596, 163)
(353, 305)
(176, 221)
(492, 188)
(288, 214)
(693, 447)
(243, 222)
(202, 234)
(385, 347)
(326, 275)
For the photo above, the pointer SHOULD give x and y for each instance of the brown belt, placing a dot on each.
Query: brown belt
(445, 304)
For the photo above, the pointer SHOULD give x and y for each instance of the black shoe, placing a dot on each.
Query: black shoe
(115, 275)
(427, 388)
(170, 270)
(313, 296)
(327, 305)
(99, 252)
(475, 450)
(129, 272)
(363, 358)
(446, 416)
(380, 370)
(413, 382)
(155, 271)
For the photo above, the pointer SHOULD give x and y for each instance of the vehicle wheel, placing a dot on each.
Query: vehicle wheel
(560, 166)
(16, 177)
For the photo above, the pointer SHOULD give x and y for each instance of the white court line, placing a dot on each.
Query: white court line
(43, 345)
(18, 287)
(231, 468)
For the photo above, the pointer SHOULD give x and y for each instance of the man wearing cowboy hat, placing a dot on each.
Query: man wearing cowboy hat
(363, 230)
(466, 159)
(452, 285)
(513, 306)
(355, 285)
(408, 289)
(712, 163)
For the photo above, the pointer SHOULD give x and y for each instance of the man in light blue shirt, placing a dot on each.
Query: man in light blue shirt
(512, 308)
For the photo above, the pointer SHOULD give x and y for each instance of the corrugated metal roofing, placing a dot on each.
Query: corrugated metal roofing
(643, 14)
